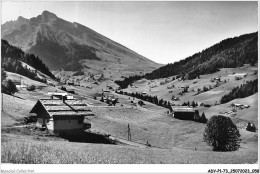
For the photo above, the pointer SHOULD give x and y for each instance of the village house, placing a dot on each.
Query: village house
(185, 88)
(60, 116)
(217, 79)
(183, 113)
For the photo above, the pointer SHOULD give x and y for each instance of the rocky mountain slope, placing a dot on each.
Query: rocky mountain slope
(72, 46)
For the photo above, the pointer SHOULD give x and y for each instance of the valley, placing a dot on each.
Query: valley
(73, 96)
(172, 140)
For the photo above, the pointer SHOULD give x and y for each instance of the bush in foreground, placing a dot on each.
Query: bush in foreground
(222, 134)
(8, 87)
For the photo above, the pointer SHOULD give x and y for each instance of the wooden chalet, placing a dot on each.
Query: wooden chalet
(61, 115)
(183, 113)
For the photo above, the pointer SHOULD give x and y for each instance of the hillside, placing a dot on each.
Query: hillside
(229, 53)
(72, 46)
(168, 89)
(172, 140)
(11, 54)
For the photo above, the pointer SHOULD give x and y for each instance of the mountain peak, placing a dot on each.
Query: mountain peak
(48, 15)
(67, 45)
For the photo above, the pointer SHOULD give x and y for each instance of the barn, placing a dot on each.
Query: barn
(184, 113)
(61, 116)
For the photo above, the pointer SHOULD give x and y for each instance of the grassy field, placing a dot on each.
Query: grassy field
(153, 87)
(56, 152)
(172, 141)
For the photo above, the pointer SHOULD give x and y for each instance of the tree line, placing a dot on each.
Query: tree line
(229, 53)
(166, 104)
(15, 53)
(12, 65)
(242, 91)
(149, 98)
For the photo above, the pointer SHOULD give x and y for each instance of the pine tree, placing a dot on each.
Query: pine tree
(203, 118)
(193, 104)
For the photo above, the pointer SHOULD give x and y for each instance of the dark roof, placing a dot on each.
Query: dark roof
(56, 107)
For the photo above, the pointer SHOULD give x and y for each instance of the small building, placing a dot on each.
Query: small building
(72, 91)
(217, 79)
(185, 88)
(238, 105)
(184, 113)
(71, 83)
(61, 116)
(57, 94)
(207, 105)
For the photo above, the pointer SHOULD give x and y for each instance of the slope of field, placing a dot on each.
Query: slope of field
(154, 87)
(67, 152)
(39, 74)
(172, 140)
(24, 80)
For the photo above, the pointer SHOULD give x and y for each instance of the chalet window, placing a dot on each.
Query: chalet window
(80, 121)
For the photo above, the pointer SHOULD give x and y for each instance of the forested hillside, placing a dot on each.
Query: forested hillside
(10, 56)
(243, 91)
(229, 53)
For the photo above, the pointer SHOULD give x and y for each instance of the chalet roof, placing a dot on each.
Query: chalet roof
(182, 109)
(56, 107)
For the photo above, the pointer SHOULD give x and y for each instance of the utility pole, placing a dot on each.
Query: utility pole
(129, 133)
(20, 82)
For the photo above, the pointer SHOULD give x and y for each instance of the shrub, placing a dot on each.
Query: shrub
(222, 134)
(250, 127)
(8, 87)
(3, 75)
(31, 88)
(63, 88)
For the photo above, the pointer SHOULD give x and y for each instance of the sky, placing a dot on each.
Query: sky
(163, 31)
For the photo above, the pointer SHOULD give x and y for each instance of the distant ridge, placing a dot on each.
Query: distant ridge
(229, 53)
